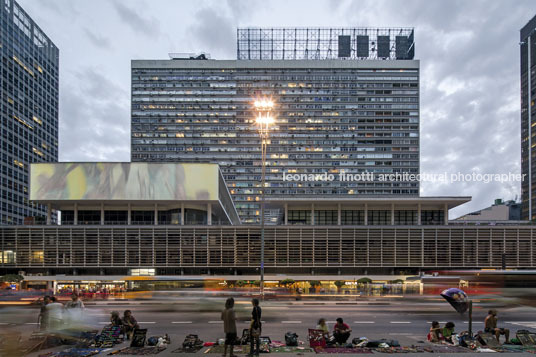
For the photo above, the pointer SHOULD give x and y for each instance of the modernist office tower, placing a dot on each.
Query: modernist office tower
(29, 127)
(528, 119)
(346, 100)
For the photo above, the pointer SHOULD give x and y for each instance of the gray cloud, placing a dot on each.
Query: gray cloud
(469, 55)
(98, 40)
(95, 123)
(215, 32)
(147, 26)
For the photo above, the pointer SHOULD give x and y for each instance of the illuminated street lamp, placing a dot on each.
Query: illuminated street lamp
(264, 121)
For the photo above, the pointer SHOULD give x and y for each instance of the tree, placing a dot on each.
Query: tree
(314, 284)
(12, 278)
(364, 281)
(339, 284)
(287, 282)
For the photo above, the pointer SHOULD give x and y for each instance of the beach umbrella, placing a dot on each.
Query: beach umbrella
(457, 298)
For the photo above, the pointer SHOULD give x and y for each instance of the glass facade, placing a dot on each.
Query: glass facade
(332, 116)
(29, 102)
(528, 119)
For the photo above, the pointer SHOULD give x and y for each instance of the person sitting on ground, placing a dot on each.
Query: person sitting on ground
(435, 334)
(490, 324)
(341, 331)
(448, 332)
(115, 319)
(129, 324)
(322, 326)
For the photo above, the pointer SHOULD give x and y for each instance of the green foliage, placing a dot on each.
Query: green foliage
(364, 281)
(286, 282)
(339, 283)
(314, 283)
(11, 278)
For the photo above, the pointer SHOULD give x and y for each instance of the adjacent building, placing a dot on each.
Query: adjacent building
(528, 119)
(499, 211)
(29, 116)
(347, 101)
(173, 222)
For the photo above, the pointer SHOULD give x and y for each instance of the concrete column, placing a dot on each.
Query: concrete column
(129, 214)
(366, 214)
(312, 214)
(339, 221)
(182, 214)
(49, 214)
(209, 214)
(286, 213)
(446, 214)
(156, 214)
(75, 214)
(392, 214)
(419, 214)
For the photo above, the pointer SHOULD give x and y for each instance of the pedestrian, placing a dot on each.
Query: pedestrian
(43, 316)
(448, 332)
(229, 326)
(490, 324)
(435, 335)
(341, 331)
(255, 328)
(54, 312)
(129, 324)
(74, 309)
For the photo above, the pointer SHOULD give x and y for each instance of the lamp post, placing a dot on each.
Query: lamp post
(264, 120)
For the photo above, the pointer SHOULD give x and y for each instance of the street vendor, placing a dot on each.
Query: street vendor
(129, 324)
(448, 332)
(341, 331)
(490, 324)
(435, 334)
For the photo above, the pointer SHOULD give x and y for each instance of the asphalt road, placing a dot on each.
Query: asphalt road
(406, 321)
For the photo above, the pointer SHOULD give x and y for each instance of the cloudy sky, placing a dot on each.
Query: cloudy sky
(469, 55)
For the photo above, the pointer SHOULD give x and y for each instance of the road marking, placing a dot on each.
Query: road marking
(364, 322)
(400, 322)
(31, 323)
(291, 322)
(4, 323)
(215, 322)
(401, 334)
(181, 322)
(530, 324)
(474, 322)
(441, 322)
(146, 322)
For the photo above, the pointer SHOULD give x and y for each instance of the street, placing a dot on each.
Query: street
(405, 321)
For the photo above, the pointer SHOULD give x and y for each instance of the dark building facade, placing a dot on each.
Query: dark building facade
(528, 119)
(351, 113)
(29, 101)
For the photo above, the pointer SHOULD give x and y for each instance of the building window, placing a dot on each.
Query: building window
(434, 217)
(376, 218)
(352, 218)
(325, 217)
(406, 218)
(299, 217)
(142, 272)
